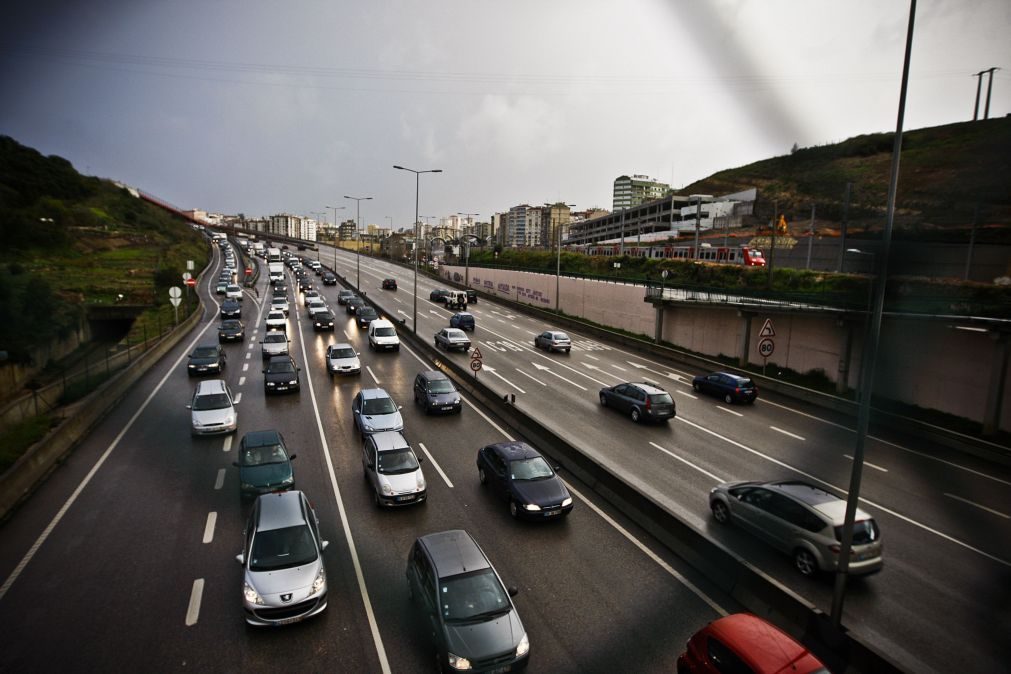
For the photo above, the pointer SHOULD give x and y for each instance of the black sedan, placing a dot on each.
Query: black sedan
(231, 309)
(329, 278)
(231, 330)
(640, 400)
(731, 387)
(389, 284)
(365, 315)
(206, 359)
(438, 295)
(264, 464)
(517, 473)
(281, 374)
(322, 320)
(353, 304)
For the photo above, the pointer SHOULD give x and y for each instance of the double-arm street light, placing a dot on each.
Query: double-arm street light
(698, 218)
(465, 242)
(335, 209)
(417, 188)
(558, 259)
(358, 235)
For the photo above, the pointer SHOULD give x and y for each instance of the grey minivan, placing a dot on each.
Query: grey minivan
(465, 605)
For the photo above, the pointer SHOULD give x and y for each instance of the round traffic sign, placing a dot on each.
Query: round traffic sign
(765, 347)
(187, 276)
(191, 282)
(249, 270)
(175, 291)
(475, 365)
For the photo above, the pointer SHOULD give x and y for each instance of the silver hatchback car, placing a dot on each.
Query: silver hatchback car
(284, 576)
(800, 519)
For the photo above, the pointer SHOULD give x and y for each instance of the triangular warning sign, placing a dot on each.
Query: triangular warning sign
(476, 354)
(767, 329)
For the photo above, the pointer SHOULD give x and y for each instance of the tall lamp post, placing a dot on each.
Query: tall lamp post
(358, 235)
(335, 209)
(417, 188)
(319, 216)
(558, 259)
(698, 218)
(464, 241)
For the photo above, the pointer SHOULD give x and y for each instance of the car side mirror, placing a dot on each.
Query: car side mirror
(189, 407)
(557, 468)
(400, 407)
(264, 370)
(292, 457)
(323, 544)
(240, 558)
(513, 591)
(421, 459)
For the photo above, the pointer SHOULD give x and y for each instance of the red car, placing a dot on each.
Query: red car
(743, 642)
(389, 284)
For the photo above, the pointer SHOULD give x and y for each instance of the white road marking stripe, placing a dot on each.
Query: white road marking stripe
(780, 430)
(193, 611)
(531, 377)
(238, 397)
(242, 380)
(435, 463)
(220, 481)
(868, 463)
(369, 368)
(592, 357)
(245, 367)
(618, 367)
(730, 411)
(569, 381)
(248, 354)
(227, 446)
(212, 519)
(981, 507)
(687, 395)
(689, 463)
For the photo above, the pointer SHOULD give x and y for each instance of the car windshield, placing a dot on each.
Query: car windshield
(262, 455)
(280, 367)
(275, 316)
(282, 549)
(385, 332)
(397, 461)
(342, 353)
(472, 597)
(441, 386)
(205, 352)
(864, 532)
(274, 338)
(214, 401)
(379, 406)
(230, 325)
(366, 311)
(324, 316)
(455, 334)
(530, 469)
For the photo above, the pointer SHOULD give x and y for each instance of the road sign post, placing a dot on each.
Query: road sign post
(475, 361)
(174, 294)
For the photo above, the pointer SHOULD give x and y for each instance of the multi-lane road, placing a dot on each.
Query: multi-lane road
(124, 559)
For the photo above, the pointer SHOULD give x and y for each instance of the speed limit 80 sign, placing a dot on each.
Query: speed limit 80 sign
(765, 347)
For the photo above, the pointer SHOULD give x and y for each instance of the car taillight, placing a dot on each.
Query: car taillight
(835, 549)
(737, 390)
(649, 403)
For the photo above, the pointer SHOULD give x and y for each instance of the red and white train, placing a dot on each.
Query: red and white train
(743, 255)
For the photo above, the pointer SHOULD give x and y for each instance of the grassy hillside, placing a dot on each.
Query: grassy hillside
(944, 172)
(70, 240)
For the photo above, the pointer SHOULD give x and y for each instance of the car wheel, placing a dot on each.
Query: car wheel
(720, 512)
(635, 414)
(729, 399)
(375, 497)
(603, 400)
(805, 562)
(437, 344)
(514, 509)
(482, 476)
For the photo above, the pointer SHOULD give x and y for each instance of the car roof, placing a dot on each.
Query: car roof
(761, 644)
(340, 345)
(432, 375)
(370, 393)
(388, 440)
(211, 386)
(454, 552)
(464, 313)
(513, 451)
(261, 438)
(382, 323)
(279, 510)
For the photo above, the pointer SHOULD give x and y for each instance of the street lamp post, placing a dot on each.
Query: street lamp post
(698, 218)
(358, 236)
(335, 209)
(558, 258)
(465, 242)
(417, 189)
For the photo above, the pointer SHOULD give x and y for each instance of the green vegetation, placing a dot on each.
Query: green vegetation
(18, 438)
(69, 241)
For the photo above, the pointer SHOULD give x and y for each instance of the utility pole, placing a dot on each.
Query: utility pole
(842, 229)
(989, 88)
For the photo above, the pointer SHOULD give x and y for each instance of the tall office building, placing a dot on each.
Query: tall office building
(630, 191)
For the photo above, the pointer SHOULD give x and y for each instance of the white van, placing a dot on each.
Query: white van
(382, 335)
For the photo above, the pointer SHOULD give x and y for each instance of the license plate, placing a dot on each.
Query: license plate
(447, 407)
(282, 388)
(406, 498)
(288, 621)
(552, 513)
(500, 670)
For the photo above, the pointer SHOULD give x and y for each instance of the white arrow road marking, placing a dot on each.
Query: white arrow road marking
(618, 367)
(530, 376)
(548, 370)
(491, 371)
(669, 375)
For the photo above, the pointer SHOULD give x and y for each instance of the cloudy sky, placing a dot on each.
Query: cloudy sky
(263, 107)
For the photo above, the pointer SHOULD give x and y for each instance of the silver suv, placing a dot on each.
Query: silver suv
(800, 519)
(284, 576)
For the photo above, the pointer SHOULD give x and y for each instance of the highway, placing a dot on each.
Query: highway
(124, 559)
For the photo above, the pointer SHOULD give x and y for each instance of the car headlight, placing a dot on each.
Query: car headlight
(533, 507)
(292, 382)
(369, 427)
(320, 581)
(387, 489)
(245, 486)
(567, 502)
(456, 662)
(524, 646)
(191, 366)
(288, 480)
(270, 384)
(421, 482)
(456, 401)
(251, 595)
(229, 420)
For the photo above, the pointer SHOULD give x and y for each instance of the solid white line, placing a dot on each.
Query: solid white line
(736, 414)
(369, 368)
(649, 553)
(492, 371)
(569, 381)
(220, 481)
(592, 357)
(435, 463)
(981, 507)
(238, 397)
(242, 380)
(98, 464)
(227, 444)
(844, 492)
(212, 519)
(868, 463)
(193, 611)
(780, 430)
(688, 463)
(531, 377)
(359, 575)
(687, 395)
